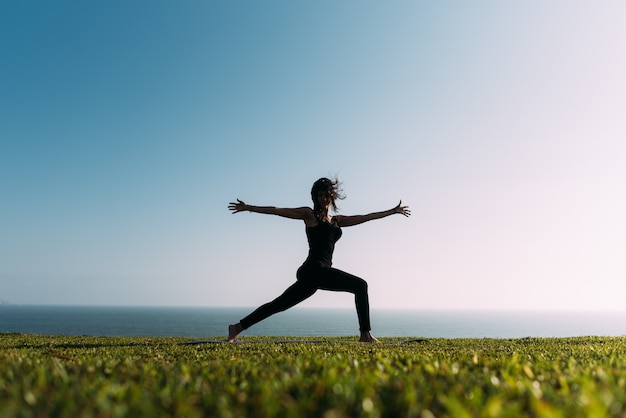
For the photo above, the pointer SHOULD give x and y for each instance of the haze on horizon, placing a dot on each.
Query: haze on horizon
(126, 128)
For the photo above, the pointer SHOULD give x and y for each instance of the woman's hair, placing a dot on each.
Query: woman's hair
(326, 185)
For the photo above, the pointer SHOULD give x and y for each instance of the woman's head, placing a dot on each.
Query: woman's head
(324, 194)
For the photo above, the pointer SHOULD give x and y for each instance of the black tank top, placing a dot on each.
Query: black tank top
(322, 239)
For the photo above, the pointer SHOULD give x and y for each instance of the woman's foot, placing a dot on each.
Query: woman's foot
(367, 337)
(234, 331)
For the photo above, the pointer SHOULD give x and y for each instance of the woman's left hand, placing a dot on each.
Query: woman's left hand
(402, 210)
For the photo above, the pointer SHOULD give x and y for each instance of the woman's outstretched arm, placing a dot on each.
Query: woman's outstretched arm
(303, 213)
(343, 220)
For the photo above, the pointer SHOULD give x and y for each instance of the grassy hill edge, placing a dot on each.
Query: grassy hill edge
(333, 377)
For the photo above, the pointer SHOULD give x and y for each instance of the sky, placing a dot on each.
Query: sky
(126, 128)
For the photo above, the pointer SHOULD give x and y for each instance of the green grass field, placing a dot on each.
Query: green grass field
(60, 376)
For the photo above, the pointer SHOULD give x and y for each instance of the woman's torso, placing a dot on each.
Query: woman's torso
(322, 238)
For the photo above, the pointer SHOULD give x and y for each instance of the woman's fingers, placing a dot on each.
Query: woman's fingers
(238, 206)
(404, 210)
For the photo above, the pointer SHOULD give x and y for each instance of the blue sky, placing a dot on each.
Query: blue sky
(126, 128)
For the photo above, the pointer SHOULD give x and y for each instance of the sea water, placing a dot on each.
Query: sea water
(210, 322)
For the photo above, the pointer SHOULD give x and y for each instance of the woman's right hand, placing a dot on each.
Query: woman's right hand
(238, 206)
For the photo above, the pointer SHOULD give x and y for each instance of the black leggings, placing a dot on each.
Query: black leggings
(310, 279)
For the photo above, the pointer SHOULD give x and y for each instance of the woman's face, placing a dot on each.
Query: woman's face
(323, 198)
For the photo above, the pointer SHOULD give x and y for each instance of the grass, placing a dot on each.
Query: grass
(61, 376)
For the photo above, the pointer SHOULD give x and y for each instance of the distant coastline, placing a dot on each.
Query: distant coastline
(4, 302)
(203, 322)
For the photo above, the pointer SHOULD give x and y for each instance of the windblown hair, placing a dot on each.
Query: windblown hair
(332, 187)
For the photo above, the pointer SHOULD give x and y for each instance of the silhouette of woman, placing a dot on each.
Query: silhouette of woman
(322, 232)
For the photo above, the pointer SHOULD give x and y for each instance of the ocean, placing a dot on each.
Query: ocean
(206, 322)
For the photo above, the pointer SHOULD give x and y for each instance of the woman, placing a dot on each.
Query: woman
(323, 231)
